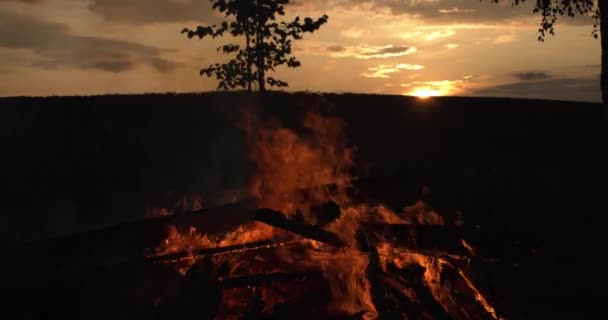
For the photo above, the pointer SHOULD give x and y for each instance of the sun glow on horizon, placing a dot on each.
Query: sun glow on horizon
(426, 92)
(428, 89)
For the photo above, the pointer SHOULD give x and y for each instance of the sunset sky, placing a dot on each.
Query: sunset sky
(419, 47)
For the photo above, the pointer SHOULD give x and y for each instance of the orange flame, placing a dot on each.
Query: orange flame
(478, 296)
(293, 173)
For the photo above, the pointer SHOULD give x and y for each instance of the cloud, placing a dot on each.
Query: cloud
(370, 52)
(579, 89)
(455, 10)
(113, 66)
(56, 47)
(461, 11)
(352, 32)
(152, 11)
(505, 38)
(452, 11)
(532, 75)
(428, 35)
(24, 1)
(434, 88)
(383, 70)
(434, 11)
(336, 48)
(388, 50)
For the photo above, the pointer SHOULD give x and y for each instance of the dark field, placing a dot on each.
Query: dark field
(73, 164)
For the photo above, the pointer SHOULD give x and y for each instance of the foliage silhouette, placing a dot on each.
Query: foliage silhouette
(551, 10)
(267, 43)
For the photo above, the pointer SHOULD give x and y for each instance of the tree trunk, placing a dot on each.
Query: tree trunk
(603, 6)
(260, 55)
(248, 57)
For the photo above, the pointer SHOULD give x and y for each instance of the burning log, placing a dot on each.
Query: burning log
(468, 296)
(255, 307)
(413, 276)
(387, 291)
(387, 308)
(278, 220)
(403, 303)
(198, 297)
(259, 280)
(258, 245)
(395, 289)
(488, 245)
(277, 295)
(326, 213)
(108, 246)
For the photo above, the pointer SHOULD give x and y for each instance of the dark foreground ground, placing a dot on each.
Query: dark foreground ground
(72, 164)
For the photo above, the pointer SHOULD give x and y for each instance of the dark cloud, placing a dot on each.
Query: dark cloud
(389, 50)
(450, 11)
(24, 1)
(532, 75)
(152, 11)
(438, 11)
(583, 89)
(56, 46)
(336, 48)
(371, 52)
(159, 11)
(113, 66)
(462, 11)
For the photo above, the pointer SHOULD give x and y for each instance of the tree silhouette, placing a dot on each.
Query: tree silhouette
(551, 10)
(267, 43)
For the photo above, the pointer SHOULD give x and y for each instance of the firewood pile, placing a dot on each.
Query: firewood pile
(299, 270)
(412, 271)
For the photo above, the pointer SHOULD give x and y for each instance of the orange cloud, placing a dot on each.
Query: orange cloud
(371, 52)
(383, 70)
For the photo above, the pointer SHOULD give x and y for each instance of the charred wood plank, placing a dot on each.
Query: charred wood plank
(278, 220)
(414, 277)
(381, 294)
(254, 307)
(488, 245)
(326, 213)
(406, 305)
(468, 295)
(110, 245)
(198, 296)
(259, 280)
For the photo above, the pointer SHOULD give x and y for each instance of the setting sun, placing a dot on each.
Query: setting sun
(425, 93)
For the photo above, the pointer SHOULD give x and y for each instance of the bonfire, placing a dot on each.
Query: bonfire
(317, 249)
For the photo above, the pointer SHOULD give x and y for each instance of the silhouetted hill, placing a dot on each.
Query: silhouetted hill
(75, 163)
